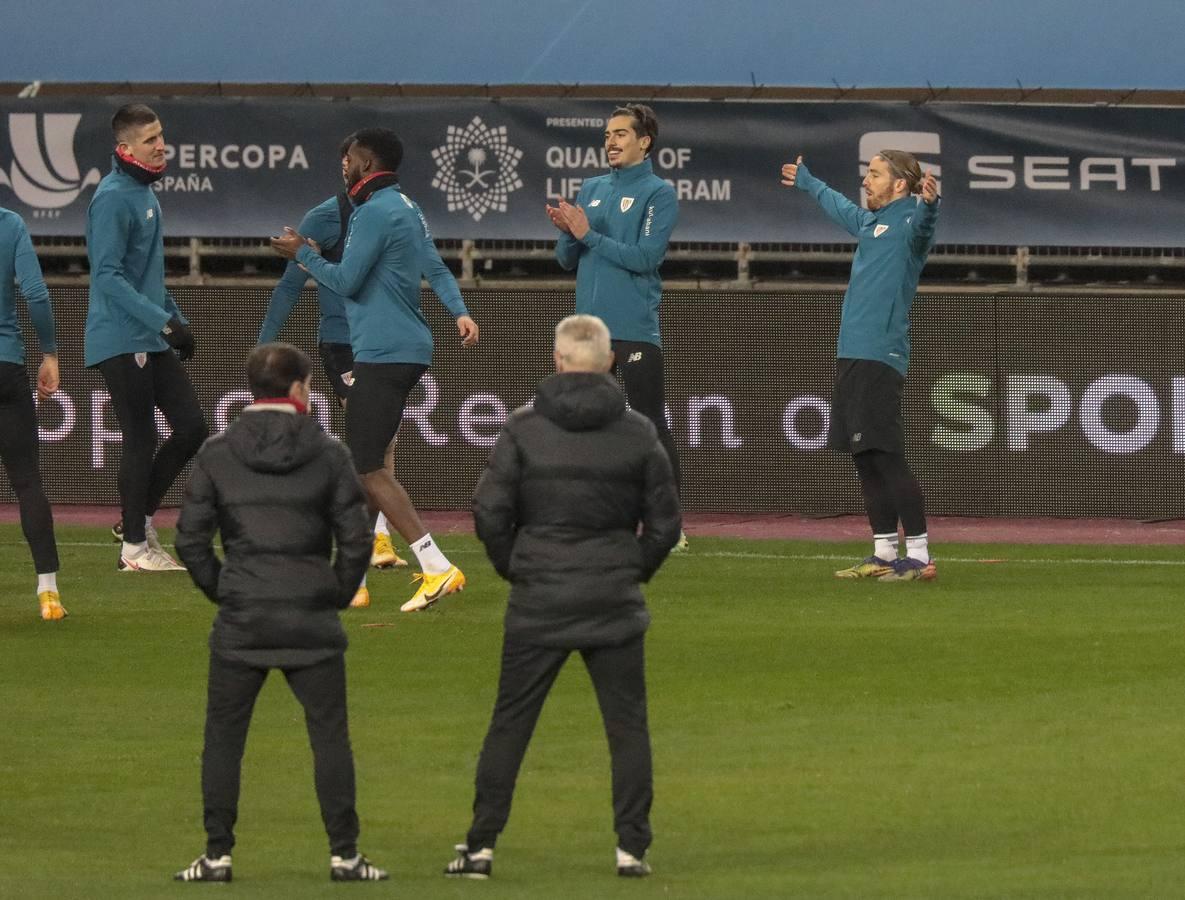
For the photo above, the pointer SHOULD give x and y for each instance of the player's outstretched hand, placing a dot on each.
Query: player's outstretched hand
(790, 172)
(47, 376)
(468, 330)
(929, 187)
(287, 244)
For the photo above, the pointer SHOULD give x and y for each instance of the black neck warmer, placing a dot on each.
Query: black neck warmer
(361, 191)
(142, 173)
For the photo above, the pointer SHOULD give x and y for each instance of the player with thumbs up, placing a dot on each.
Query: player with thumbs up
(894, 234)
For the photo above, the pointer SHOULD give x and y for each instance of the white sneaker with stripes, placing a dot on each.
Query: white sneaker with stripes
(359, 868)
(205, 869)
(630, 866)
(478, 864)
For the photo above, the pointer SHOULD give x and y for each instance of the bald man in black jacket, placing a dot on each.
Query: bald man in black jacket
(576, 508)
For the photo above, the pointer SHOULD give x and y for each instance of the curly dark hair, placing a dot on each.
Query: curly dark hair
(384, 145)
(645, 123)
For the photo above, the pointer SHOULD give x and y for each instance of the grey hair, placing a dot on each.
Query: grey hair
(582, 341)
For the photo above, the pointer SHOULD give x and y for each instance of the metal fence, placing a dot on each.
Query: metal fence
(249, 262)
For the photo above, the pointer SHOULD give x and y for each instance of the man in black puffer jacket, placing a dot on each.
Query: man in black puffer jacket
(282, 493)
(576, 507)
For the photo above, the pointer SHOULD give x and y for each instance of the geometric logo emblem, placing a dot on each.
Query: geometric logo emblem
(44, 172)
(477, 168)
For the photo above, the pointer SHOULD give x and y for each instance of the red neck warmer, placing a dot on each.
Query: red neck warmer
(132, 161)
(296, 404)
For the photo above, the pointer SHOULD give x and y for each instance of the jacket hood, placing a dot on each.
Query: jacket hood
(580, 401)
(273, 440)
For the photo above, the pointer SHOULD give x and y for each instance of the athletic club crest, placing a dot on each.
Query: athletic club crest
(626, 203)
(477, 168)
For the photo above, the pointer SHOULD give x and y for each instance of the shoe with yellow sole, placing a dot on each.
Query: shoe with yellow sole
(51, 606)
(383, 556)
(433, 587)
(910, 569)
(872, 567)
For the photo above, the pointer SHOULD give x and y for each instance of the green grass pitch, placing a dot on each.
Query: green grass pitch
(1014, 729)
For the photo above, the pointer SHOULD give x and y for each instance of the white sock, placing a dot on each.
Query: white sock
(431, 560)
(885, 545)
(135, 549)
(361, 584)
(918, 548)
(47, 581)
(380, 525)
(148, 521)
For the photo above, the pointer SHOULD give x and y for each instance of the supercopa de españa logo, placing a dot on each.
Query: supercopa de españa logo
(477, 168)
(44, 172)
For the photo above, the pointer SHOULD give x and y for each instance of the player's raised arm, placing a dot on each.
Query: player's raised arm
(842, 211)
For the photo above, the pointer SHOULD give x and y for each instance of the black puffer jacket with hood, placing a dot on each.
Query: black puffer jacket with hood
(281, 493)
(559, 507)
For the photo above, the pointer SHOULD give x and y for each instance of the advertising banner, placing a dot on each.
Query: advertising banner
(1009, 175)
(1015, 405)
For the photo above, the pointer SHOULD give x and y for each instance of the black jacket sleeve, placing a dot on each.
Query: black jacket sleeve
(662, 519)
(495, 503)
(351, 532)
(195, 531)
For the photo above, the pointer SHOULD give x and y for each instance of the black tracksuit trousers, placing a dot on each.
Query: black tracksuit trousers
(321, 690)
(528, 672)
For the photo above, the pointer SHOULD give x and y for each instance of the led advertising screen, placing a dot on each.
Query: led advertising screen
(1015, 405)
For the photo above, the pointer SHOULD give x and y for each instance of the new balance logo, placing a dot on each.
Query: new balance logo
(635, 357)
(424, 546)
(44, 173)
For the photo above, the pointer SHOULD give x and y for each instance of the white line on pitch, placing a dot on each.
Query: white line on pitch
(1099, 561)
(801, 557)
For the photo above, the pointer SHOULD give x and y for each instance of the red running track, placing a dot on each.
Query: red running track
(950, 529)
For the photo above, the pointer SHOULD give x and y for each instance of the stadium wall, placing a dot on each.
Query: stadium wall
(1016, 405)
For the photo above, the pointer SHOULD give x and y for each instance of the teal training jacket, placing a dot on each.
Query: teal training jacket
(323, 224)
(387, 248)
(18, 262)
(631, 214)
(128, 303)
(892, 247)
